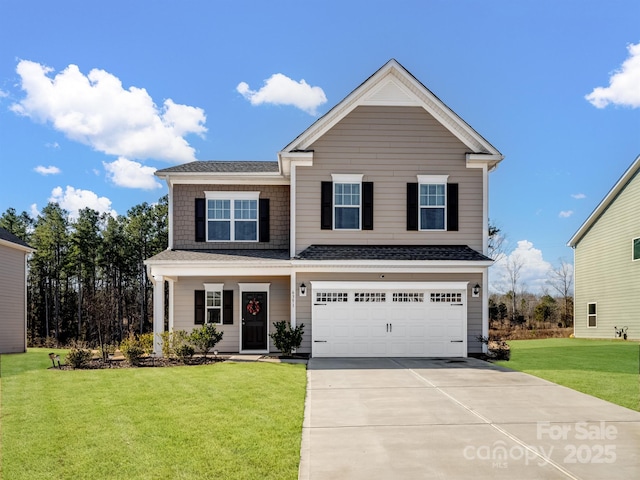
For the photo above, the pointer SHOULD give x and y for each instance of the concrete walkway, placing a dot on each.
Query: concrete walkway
(457, 419)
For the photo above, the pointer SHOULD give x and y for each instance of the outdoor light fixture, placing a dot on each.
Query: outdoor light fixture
(303, 290)
(476, 291)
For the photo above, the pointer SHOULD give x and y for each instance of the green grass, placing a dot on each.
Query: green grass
(222, 421)
(606, 369)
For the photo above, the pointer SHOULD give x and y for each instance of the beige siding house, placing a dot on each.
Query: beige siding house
(607, 263)
(13, 293)
(370, 229)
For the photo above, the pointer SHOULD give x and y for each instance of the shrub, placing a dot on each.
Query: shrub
(79, 355)
(132, 349)
(146, 342)
(497, 348)
(285, 338)
(172, 341)
(185, 351)
(205, 338)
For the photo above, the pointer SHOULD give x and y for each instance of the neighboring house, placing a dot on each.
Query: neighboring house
(13, 292)
(607, 263)
(370, 228)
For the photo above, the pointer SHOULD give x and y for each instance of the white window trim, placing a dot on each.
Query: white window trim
(231, 196)
(213, 287)
(343, 178)
(432, 180)
(596, 314)
(633, 241)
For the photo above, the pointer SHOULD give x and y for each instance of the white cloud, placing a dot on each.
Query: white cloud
(97, 111)
(565, 213)
(73, 200)
(624, 84)
(281, 90)
(33, 211)
(54, 145)
(578, 196)
(50, 170)
(3, 94)
(130, 174)
(533, 273)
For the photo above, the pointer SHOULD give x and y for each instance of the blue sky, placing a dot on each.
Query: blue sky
(96, 95)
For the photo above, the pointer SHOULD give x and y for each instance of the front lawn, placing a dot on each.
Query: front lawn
(222, 421)
(607, 369)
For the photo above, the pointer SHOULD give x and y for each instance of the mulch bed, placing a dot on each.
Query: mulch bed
(145, 362)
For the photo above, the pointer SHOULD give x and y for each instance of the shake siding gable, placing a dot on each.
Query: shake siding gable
(390, 146)
(604, 270)
(189, 217)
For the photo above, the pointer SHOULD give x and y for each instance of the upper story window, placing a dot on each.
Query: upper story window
(347, 201)
(432, 201)
(232, 216)
(432, 204)
(636, 249)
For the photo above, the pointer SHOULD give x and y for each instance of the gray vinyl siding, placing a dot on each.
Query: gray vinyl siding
(184, 216)
(390, 146)
(474, 305)
(604, 270)
(12, 300)
(184, 305)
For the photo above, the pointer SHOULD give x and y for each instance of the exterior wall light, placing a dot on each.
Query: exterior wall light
(303, 290)
(475, 292)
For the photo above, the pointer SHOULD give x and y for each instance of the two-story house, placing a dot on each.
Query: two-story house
(371, 229)
(606, 251)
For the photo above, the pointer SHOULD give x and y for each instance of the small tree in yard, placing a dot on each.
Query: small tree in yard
(205, 338)
(285, 338)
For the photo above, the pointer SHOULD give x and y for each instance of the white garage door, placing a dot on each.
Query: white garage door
(390, 319)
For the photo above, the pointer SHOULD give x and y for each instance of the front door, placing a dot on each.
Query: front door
(254, 320)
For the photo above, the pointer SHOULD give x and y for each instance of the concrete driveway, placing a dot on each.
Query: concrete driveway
(457, 419)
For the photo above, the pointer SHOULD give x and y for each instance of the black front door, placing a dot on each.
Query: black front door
(254, 320)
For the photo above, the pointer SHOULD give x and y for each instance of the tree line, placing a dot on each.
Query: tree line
(87, 280)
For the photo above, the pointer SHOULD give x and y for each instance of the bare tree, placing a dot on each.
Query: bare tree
(513, 266)
(561, 280)
(496, 244)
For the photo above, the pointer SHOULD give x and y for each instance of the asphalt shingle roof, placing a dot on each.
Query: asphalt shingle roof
(216, 166)
(391, 252)
(10, 237)
(244, 255)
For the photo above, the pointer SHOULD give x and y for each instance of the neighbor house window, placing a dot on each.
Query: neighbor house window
(347, 201)
(636, 249)
(592, 320)
(213, 303)
(432, 202)
(232, 216)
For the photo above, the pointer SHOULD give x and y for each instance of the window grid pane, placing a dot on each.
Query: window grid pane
(235, 220)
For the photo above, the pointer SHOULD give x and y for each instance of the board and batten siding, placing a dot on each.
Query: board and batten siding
(474, 305)
(183, 298)
(12, 300)
(605, 272)
(184, 197)
(390, 146)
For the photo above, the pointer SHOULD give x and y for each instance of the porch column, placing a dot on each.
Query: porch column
(294, 292)
(158, 313)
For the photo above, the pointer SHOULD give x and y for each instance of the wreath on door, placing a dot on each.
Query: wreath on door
(253, 307)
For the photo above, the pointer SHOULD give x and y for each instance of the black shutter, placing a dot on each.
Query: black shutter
(200, 219)
(198, 317)
(326, 202)
(412, 206)
(367, 205)
(452, 207)
(263, 227)
(227, 307)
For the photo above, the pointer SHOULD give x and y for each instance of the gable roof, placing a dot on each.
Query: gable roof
(620, 185)
(218, 166)
(393, 85)
(11, 240)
